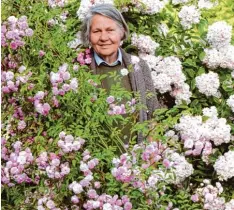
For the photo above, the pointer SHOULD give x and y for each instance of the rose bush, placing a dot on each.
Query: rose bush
(62, 145)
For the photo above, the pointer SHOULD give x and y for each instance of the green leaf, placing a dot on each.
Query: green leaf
(201, 70)
(202, 55)
(88, 111)
(190, 72)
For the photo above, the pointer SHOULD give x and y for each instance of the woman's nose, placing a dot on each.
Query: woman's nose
(104, 36)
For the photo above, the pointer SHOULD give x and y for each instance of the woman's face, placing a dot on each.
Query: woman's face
(105, 37)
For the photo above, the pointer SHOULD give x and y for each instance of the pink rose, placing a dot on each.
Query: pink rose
(127, 206)
(110, 99)
(166, 163)
(21, 125)
(195, 198)
(74, 199)
(41, 53)
(29, 32)
(13, 45)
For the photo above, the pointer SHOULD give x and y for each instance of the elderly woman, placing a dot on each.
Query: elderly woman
(104, 29)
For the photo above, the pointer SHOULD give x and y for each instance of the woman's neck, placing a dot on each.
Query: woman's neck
(110, 58)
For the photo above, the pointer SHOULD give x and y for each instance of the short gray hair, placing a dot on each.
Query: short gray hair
(107, 10)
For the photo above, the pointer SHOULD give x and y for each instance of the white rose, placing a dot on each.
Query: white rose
(77, 188)
(124, 72)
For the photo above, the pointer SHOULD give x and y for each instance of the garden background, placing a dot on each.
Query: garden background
(60, 147)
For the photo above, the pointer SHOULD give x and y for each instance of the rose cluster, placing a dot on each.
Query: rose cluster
(162, 164)
(117, 109)
(88, 187)
(167, 76)
(189, 15)
(84, 58)
(52, 165)
(17, 164)
(12, 62)
(55, 21)
(208, 84)
(13, 126)
(179, 166)
(219, 58)
(59, 20)
(219, 34)
(149, 6)
(198, 135)
(41, 108)
(46, 202)
(68, 143)
(8, 84)
(170, 69)
(145, 44)
(120, 109)
(178, 169)
(107, 202)
(224, 166)
(11, 81)
(62, 82)
(151, 60)
(13, 31)
(221, 53)
(209, 196)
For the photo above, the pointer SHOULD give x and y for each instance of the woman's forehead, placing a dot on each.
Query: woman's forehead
(100, 21)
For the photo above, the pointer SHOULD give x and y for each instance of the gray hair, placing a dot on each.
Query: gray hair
(107, 10)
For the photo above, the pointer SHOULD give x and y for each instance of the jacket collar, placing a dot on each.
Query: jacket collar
(100, 61)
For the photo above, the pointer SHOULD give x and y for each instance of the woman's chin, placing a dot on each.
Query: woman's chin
(106, 52)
